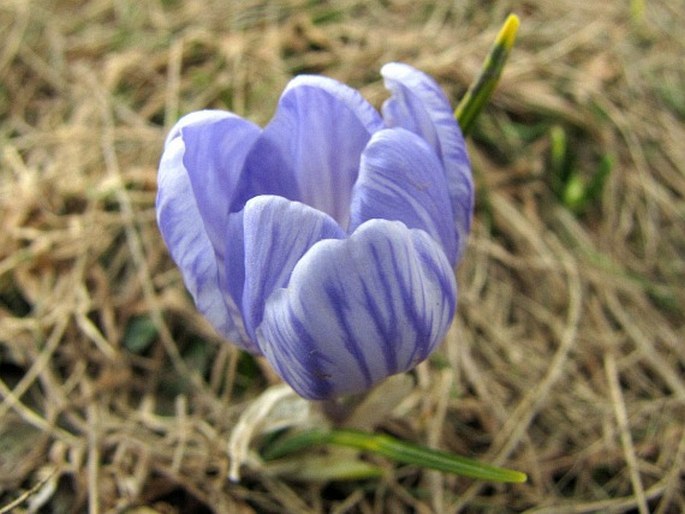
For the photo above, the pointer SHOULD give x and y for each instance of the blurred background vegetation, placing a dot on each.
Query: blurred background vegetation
(566, 359)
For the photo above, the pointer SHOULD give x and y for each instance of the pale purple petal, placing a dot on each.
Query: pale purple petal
(401, 178)
(185, 235)
(216, 145)
(215, 150)
(358, 310)
(418, 104)
(310, 150)
(277, 233)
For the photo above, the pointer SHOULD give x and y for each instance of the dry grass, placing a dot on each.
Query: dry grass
(567, 356)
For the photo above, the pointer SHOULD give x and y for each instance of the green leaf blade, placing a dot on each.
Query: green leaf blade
(480, 91)
(397, 450)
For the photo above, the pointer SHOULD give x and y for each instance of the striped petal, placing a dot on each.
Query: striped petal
(358, 310)
(216, 145)
(276, 234)
(419, 105)
(401, 178)
(310, 150)
(186, 235)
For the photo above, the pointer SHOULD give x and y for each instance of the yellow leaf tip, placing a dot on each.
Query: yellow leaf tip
(520, 478)
(507, 34)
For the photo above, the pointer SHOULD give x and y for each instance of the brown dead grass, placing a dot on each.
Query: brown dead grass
(567, 356)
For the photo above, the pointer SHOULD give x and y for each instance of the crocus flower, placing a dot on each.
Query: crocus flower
(325, 241)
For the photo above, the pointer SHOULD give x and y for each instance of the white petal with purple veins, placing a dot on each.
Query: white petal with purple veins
(401, 178)
(185, 234)
(358, 310)
(418, 104)
(310, 150)
(214, 156)
(277, 233)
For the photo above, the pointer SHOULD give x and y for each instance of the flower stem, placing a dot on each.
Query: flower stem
(481, 89)
(338, 410)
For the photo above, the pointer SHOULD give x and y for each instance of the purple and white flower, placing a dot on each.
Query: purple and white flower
(325, 241)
